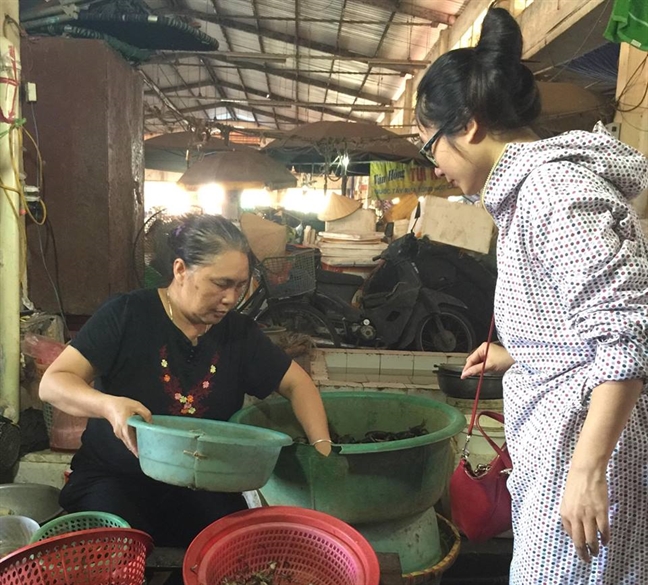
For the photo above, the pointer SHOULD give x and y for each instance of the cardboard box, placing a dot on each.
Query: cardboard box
(466, 226)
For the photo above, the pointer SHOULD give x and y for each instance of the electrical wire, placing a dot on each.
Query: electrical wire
(627, 86)
(14, 165)
(45, 222)
(587, 36)
(55, 288)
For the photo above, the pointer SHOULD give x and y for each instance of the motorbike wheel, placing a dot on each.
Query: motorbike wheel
(456, 334)
(302, 318)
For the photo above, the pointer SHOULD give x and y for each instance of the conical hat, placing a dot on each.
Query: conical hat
(338, 207)
(266, 238)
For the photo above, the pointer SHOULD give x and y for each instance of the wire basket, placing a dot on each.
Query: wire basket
(289, 276)
(101, 556)
(283, 545)
(76, 522)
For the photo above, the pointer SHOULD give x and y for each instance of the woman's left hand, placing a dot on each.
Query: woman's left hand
(585, 509)
(323, 448)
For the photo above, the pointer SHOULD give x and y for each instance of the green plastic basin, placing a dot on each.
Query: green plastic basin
(206, 454)
(362, 483)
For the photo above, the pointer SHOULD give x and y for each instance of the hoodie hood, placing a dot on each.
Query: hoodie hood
(598, 151)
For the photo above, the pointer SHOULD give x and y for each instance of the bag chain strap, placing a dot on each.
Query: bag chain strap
(465, 453)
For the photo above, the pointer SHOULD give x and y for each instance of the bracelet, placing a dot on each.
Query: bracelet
(321, 441)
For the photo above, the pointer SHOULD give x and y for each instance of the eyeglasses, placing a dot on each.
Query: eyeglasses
(426, 151)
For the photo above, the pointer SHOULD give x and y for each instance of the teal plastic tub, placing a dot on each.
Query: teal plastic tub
(363, 483)
(206, 454)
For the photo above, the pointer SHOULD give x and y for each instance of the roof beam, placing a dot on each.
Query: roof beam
(337, 44)
(234, 56)
(298, 78)
(256, 111)
(229, 46)
(434, 16)
(325, 109)
(272, 34)
(182, 4)
(255, 11)
(279, 102)
(320, 71)
(297, 63)
(281, 117)
(350, 21)
(383, 36)
(286, 103)
(216, 83)
(164, 99)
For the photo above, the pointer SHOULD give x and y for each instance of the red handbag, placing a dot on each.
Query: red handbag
(480, 503)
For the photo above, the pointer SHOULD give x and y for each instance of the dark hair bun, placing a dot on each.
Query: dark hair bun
(488, 82)
(500, 39)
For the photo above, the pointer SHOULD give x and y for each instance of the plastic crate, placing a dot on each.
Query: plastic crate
(289, 276)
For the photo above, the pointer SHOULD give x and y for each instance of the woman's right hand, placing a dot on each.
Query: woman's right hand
(118, 410)
(499, 360)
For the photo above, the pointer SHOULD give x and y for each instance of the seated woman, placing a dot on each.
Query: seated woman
(178, 350)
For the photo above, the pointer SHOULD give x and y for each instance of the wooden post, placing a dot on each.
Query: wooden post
(11, 222)
(409, 97)
(632, 109)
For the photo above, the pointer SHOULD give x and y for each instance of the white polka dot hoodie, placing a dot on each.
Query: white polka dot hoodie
(572, 258)
(571, 307)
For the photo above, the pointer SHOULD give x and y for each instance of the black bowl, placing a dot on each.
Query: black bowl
(451, 384)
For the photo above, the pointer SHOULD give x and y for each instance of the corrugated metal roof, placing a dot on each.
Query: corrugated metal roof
(281, 63)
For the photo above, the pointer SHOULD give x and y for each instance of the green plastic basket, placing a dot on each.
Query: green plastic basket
(78, 521)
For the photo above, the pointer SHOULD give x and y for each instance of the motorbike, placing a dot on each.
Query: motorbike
(469, 277)
(396, 309)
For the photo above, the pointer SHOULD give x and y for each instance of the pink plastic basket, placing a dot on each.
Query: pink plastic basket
(101, 556)
(294, 545)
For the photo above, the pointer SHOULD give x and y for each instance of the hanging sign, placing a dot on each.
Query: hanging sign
(392, 179)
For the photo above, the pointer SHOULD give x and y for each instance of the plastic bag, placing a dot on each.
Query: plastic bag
(64, 430)
(43, 349)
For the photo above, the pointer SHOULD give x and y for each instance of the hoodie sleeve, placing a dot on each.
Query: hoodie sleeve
(589, 242)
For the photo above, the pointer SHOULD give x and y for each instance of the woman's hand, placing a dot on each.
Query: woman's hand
(298, 387)
(585, 506)
(498, 361)
(584, 510)
(118, 410)
(323, 447)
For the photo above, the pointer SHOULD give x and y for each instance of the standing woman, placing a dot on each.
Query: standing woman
(179, 350)
(571, 309)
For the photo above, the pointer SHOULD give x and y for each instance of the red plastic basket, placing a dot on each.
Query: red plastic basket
(101, 556)
(296, 546)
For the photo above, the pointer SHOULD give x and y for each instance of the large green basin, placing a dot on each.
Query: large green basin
(362, 483)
